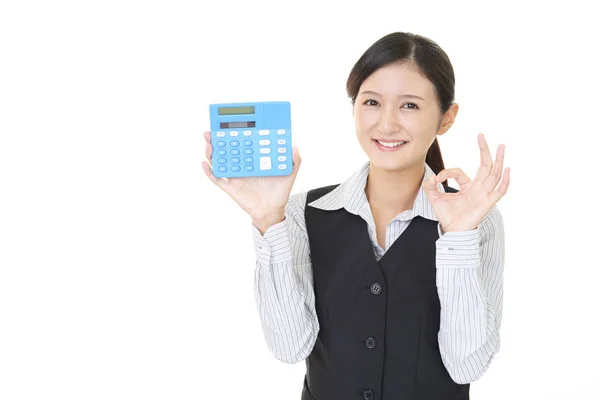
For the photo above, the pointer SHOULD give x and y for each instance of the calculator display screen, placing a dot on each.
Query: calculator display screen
(228, 125)
(236, 110)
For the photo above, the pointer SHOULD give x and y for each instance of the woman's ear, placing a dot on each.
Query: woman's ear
(448, 119)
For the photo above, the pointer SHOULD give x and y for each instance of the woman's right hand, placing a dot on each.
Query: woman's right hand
(263, 198)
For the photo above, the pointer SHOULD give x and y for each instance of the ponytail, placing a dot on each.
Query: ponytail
(434, 159)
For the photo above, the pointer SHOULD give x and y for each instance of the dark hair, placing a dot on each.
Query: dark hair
(427, 56)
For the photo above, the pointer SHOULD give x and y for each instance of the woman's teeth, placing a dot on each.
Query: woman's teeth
(390, 144)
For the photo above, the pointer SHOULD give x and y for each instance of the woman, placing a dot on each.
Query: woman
(389, 284)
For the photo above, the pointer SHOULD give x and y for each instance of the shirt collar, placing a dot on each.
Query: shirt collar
(351, 195)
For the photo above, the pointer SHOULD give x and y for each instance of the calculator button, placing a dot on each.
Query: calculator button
(221, 152)
(234, 152)
(247, 142)
(247, 133)
(234, 143)
(281, 158)
(282, 166)
(221, 144)
(235, 160)
(281, 131)
(265, 163)
(281, 141)
(222, 169)
(248, 151)
(265, 151)
(281, 150)
(233, 133)
(220, 134)
(264, 132)
(235, 168)
(248, 159)
(249, 168)
(264, 142)
(222, 160)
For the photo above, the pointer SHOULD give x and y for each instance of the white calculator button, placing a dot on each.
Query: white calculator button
(281, 150)
(282, 166)
(233, 133)
(281, 131)
(264, 142)
(220, 134)
(282, 158)
(265, 151)
(265, 163)
(281, 141)
(264, 132)
(247, 133)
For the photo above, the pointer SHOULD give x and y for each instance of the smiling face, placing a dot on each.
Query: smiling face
(397, 117)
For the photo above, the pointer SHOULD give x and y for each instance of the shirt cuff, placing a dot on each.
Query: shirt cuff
(274, 246)
(458, 249)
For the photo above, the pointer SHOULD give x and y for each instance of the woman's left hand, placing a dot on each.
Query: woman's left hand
(466, 209)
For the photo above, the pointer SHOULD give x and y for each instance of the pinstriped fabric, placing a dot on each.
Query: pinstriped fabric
(469, 279)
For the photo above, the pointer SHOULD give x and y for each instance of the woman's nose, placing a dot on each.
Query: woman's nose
(388, 122)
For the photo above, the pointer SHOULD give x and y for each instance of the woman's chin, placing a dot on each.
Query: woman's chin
(388, 163)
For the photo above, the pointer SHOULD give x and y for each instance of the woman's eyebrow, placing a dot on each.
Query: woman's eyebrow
(412, 96)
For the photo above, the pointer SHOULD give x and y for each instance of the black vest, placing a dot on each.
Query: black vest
(379, 321)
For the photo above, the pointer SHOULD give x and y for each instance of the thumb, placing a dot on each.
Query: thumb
(430, 188)
(296, 160)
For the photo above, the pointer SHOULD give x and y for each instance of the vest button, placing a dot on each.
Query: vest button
(368, 395)
(371, 343)
(376, 288)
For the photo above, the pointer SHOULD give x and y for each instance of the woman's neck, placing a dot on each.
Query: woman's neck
(394, 191)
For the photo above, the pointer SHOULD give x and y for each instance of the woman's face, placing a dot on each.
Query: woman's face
(397, 116)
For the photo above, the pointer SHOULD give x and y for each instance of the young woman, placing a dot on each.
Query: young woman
(389, 284)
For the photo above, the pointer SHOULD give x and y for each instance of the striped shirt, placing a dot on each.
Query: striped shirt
(469, 278)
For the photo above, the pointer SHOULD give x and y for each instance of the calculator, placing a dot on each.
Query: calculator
(251, 139)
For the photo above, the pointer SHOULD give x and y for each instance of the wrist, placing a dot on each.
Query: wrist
(265, 222)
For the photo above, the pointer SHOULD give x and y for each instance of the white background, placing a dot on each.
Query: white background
(125, 274)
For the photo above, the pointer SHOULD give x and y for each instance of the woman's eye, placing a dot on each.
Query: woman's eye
(413, 106)
(370, 102)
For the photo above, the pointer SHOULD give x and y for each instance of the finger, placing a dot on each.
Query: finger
(496, 173)
(431, 190)
(503, 188)
(486, 159)
(208, 152)
(296, 159)
(207, 136)
(455, 173)
(221, 183)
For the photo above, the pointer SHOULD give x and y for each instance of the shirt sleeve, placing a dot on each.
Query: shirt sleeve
(284, 287)
(469, 278)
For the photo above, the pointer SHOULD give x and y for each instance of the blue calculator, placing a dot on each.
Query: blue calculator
(251, 139)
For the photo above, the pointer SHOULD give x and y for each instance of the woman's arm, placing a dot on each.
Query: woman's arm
(470, 286)
(284, 287)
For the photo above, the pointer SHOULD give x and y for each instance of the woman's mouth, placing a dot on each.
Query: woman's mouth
(388, 145)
